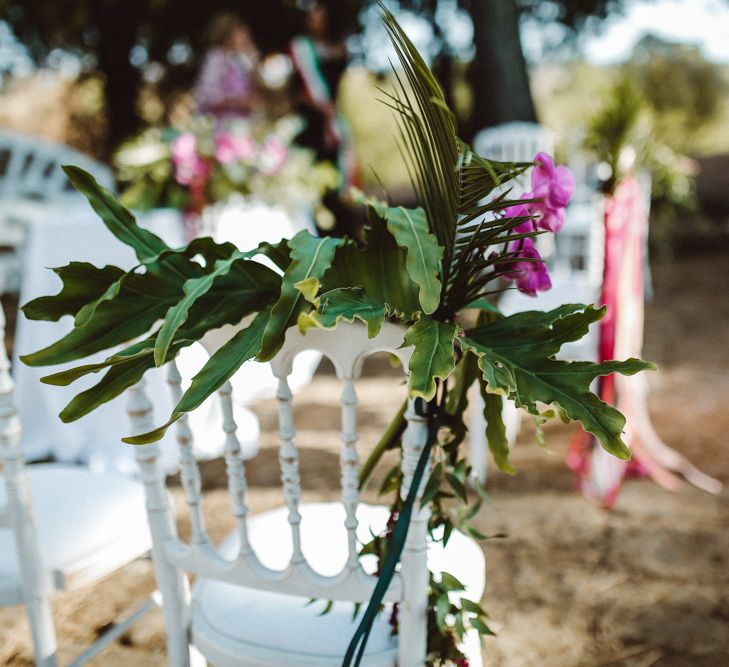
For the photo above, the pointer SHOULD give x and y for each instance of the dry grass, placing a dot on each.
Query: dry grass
(572, 585)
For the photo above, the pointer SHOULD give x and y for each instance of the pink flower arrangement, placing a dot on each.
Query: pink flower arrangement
(530, 276)
(552, 189)
(273, 155)
(190, 167)
(231, 147)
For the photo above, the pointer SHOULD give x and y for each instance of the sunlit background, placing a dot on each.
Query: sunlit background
(573, 585)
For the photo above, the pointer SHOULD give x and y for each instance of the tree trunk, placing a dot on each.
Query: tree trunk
(498, 76)
(117, 32)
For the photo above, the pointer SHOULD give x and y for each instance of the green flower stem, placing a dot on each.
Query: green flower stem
(389, 438)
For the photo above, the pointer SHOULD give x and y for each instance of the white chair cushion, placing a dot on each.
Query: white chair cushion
(88, 523)
(229, 620)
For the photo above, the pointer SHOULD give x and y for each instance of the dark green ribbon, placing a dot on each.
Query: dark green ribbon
(434, 414)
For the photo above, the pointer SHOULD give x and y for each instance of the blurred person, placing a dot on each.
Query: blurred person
(320, 59)
(227, 84)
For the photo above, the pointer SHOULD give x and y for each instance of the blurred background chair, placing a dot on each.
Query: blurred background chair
(251, 602)
(517, 141)
(31, 184)
(61, 527)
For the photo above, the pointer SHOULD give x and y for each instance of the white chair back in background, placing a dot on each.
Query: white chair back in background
(249, 603)
(61, 527)
(31, 179)
(30, 168)
(517, 141)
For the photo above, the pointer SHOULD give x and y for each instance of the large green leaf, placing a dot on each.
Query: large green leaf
(118, 378)
(178, 262)
(516, 358)
(118, 219)
(137, 350)
(409, 227)
(433, 357)
(254, 283)
(346, 303)
(142, 299)
(83, 283)
(493, 405)
(216, 372)
(311, 257)
(380, 269)
(129, 365)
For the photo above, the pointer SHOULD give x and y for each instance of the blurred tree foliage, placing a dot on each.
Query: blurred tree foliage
(683, 89)
(121, 37)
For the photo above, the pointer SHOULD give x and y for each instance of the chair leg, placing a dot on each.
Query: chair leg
(171, 582)
(414, 607)
(38, 608)
(34, 577)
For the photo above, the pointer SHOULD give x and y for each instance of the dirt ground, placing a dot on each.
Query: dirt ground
(572, 585)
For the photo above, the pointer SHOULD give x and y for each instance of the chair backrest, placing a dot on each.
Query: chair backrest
(17, 515)
(517, 141)
(347, 347)
(580, 244)
(30, 168)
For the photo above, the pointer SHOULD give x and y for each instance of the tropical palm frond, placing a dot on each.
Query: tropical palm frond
(428, 138)
(480, 177)
(459, 190)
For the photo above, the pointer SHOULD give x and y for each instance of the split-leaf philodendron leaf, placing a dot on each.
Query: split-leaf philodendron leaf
(516, 355)
(410, 229)
(344, 304)
(311, 257)
(433, 357)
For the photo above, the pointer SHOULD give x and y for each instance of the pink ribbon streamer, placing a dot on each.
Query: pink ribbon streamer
(599, 474)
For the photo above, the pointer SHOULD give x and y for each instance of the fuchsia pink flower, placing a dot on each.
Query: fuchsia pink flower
(553, 187)
(230, 147)
(530, 276)
(189, 166)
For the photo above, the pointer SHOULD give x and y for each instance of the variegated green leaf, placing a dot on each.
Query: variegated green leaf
(311, 257)
(433, 356)
(409, 227)
(345, 304)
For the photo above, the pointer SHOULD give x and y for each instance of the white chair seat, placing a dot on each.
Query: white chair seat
(89, 524)
(232, 625)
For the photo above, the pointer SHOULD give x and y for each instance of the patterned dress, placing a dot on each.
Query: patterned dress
(224, 75)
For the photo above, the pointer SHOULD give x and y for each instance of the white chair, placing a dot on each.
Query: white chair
(517, 141)
(30, 168)
(61, 527)
(249, 603)
(30, 180)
